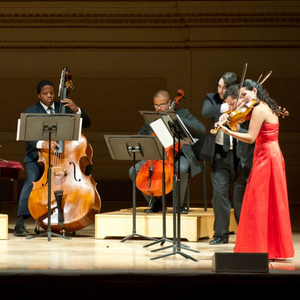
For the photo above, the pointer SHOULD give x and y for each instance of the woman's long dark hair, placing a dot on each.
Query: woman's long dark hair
(262, 94)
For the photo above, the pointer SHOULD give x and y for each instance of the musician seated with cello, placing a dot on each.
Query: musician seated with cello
(46, 94)
(188, 160)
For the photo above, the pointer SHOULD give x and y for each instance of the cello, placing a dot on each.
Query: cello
(149, 177)
(74, 197)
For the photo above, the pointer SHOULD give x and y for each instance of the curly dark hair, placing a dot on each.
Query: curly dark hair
(262, 94)
(232, 91)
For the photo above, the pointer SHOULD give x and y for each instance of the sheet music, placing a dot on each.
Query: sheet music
(186, 130)
(18, 129)
(162, 133)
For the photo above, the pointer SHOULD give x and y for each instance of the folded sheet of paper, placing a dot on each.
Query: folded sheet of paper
(162, 133)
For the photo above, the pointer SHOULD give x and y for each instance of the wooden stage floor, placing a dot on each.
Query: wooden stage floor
(84, 265)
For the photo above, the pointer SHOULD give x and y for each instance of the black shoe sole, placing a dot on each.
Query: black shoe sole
(20, 234)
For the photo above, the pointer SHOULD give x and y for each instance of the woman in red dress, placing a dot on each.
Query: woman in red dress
(264, 225)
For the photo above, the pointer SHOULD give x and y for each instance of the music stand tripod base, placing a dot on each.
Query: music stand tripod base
(178, 133)
(48, 234)
(134, 147)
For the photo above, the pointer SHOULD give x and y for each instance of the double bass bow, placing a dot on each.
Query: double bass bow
(74, 197)
(149, 177)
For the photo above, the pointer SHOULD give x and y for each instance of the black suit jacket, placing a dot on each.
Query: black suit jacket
(197, 130)
(211, 110)
(31, 152)
(244, 151)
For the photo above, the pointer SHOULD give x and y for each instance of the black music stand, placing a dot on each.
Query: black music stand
(153, 116)
(36, 127)
(164, 208)
(133, 147)
(170, 129)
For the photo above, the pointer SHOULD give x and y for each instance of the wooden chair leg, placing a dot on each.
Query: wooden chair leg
(204, 186)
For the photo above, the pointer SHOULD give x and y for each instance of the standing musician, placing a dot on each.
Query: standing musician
(188, 160)
(217, 151)
(46, 104)
(243, 153)
(265, 225)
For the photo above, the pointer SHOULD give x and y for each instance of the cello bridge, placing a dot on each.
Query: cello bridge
(59, 171)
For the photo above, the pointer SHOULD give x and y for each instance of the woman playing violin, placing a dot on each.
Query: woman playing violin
(264, 225)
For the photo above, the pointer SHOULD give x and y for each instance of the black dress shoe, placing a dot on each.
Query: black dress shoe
(20, 230)
(156, 207)
(219, 240)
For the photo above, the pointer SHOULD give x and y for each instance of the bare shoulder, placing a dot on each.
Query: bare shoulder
(263, 112)
(261, 108)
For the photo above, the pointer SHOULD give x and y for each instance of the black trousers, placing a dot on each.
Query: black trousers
(34, 172)
(222, 173)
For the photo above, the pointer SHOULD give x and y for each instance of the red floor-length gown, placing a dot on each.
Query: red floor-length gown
(265, 225)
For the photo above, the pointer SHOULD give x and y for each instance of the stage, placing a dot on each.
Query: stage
(86, 266)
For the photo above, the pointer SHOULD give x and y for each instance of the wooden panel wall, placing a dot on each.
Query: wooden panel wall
(120, 53)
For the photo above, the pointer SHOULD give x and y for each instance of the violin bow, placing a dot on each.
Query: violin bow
(262, 80)
(259, 78)
(243, 75)
(242, 80)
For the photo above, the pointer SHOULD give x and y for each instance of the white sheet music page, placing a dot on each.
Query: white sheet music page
(18, 129)
(162, 133)
(182, 124)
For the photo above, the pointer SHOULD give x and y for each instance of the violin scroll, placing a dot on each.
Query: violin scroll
(282, 112)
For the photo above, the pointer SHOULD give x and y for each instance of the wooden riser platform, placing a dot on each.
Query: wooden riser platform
(194, 225)
(3, 227)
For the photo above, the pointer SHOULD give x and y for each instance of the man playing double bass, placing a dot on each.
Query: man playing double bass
(46, 104)
(188, 159)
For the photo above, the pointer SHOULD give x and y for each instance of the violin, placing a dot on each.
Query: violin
(74, 197)
(149, 177)
(239, 115)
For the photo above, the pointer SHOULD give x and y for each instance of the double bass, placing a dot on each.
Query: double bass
(149, 177)
(74, 197)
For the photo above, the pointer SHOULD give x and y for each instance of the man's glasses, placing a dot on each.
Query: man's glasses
(160, 105)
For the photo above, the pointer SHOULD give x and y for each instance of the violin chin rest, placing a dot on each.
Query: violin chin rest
(88, 170)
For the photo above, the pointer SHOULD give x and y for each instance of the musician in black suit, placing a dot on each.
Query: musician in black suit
(243, 153)
(46, 104)
(218, 151)
(188, 158)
